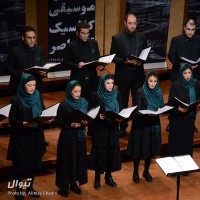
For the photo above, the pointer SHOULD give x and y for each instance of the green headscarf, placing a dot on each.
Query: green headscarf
(29, 100)
(188, 84)
(154, 96)
(108, 97)
(76, 104)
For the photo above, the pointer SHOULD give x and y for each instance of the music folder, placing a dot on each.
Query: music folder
(45, 68)
(77, 115)
(177, 164)
(124, 114)
(103, 61)
(47, 114)
(4, 112)
(178, 102)
(158, 112)
(192, 62)
(142, 57)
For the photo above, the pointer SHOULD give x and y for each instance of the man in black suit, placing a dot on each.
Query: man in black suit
(79, 52)
(25, 56)
(186, 45)
(129, 74)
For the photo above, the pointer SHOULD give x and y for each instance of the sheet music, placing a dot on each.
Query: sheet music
(160, 111)
(144, 54)
(104, 59)
(176, 164)
(186, 162)
(126, 112)
(46, 66)
(50, 112)
(107, 59)
(5, 110)
(93, 113)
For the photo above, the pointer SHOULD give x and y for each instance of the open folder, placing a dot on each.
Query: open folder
(160, 111)
(47, 114)
(177, 164)
(103, 61)
(142, 57)
(192, 62)
(178, 102)
(124, 114)
(4, 112)
(46, 68)
(77, 115)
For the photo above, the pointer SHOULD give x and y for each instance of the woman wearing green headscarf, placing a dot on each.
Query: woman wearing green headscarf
(27, 143)
(71, 150)
(145, 137)
(182, 120)
(105, 153)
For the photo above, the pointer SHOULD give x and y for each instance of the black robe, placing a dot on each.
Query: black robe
(143, 143)
(71, 153)
(105, 153)
(26, 145)
(181, 131)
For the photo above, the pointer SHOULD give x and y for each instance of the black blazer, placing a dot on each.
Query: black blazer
(72, 57)
(119, 46)
(16, 63)
(181, 46)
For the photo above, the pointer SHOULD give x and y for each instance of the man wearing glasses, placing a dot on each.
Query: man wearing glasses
(77, 54)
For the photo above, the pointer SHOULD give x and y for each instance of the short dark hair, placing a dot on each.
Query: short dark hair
(190, 21)
(82, 24)
(27, 29)
(129, 13)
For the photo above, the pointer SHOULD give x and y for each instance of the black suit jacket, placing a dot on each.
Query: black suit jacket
(72, 57)
(119, 46)
(181, 46)
(16, 63)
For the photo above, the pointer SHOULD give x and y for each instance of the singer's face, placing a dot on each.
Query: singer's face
(83, 34)
(30, 87)
(187, 74)
(76, 92)
(109, 84)
(189, 30)
(152, 81)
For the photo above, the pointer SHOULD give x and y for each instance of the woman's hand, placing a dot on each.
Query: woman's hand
(84, 122)
(75, 125)
(183, 110)
(102, 116)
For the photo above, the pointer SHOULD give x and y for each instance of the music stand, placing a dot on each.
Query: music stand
(176, 166)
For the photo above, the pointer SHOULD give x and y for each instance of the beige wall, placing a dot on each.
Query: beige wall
(109, 20)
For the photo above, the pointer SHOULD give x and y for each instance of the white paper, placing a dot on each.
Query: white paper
(126, 112)
(50, 112)
(160, 111)
(46, 66)
(5, 110)
(104, 59)
(176, 164)
(107, 59)
(144, 54)
(93, 113)
(190, 61)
